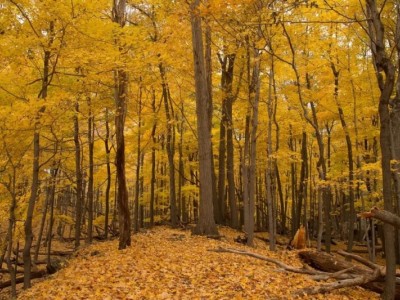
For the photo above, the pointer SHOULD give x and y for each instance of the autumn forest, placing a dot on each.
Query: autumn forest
(240, 130)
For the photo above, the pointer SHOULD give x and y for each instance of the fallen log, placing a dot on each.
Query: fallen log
(58, 253)
(370, 277)
(6, 271)
(34, 275)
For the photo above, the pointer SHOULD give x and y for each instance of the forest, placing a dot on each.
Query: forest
(239, 127)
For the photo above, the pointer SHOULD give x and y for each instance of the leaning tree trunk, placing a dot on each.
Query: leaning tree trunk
(206, 224)
(121, 92)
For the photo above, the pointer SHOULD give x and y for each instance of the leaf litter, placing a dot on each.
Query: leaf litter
(165, 263)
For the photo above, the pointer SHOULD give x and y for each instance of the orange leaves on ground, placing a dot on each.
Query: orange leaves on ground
(171, 264)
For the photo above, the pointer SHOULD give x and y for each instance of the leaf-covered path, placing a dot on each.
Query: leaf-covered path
(172, 264)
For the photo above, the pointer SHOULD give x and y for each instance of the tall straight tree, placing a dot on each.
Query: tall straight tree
(120, 97)
(206, 224)
(385, 74)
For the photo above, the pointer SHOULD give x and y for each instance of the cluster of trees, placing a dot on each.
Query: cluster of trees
(291, 119)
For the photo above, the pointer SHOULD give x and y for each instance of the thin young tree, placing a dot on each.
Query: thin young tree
(121, 94)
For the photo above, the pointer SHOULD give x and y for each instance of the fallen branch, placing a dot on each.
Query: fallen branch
(270, 260)
(328, 287)
(371, 278)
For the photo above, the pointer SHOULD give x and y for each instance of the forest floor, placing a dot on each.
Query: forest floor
(165, 263)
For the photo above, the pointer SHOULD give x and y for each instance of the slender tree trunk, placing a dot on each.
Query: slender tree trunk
(42, 223)
(302, 194)
(108, 186)
(230, 172)
(10, 231)
(36, 166)
(136, 204)
(90, 182)
(350, 158)
(270, 163)
(153, 161)
(121, 94)
(54, 172)
(78, 178)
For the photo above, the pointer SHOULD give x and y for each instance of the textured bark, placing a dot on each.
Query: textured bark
(383, 64)
(227, 67)
(121, 93)
(170, 145)
(206, 224)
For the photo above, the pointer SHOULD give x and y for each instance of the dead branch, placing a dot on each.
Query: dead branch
(328, 287)
(270, 260)
(371, 278)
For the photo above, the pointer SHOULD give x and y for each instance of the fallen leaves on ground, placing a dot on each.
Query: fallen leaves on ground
(163, 263)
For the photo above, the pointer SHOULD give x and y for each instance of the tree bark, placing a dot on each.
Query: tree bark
(383, 64)
(206, 224)
(90, 191)
(36, 166)
(170, 146)
(108, 186)
(78, 178)
(121, 93)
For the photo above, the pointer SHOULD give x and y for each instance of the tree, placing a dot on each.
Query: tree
(206, 224)
(385, 74)
(121, 94)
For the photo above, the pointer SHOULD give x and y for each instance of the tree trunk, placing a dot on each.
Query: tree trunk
(270, 163)
(227, 66)
(153, 161)
(206, 224)
(108, 186)
(53, 181)
(36, 166)
(383, 64)
(78, 178)
(121, 93)
(90, 182)
(136, 203)
(170, 146)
